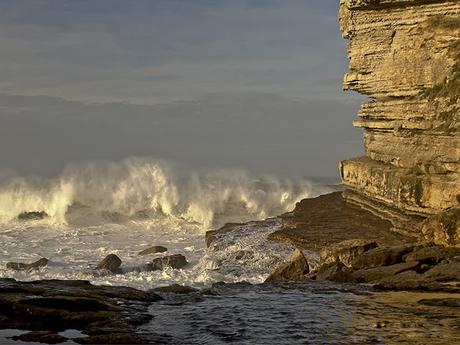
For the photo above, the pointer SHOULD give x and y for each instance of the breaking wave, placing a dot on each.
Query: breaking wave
(148, 189)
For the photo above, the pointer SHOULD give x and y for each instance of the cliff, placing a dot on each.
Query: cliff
(405, 55)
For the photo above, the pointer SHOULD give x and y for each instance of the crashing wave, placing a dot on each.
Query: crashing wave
(141, 188)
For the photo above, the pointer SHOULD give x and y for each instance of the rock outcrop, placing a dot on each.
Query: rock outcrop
(405, 55)
(295, 268)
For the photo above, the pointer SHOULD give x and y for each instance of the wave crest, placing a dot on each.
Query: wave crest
(148, 188)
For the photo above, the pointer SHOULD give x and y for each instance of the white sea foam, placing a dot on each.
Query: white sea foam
(122, 207)
(150, 188)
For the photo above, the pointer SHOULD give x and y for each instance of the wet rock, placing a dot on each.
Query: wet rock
(407, 281)
(432, 255)
(378, 273)
(335, 272)
(32, 215)
(175, 261)
(295, 268)
(176, 288)
(444, 272)
(55, 306)
(40, 337)
(110, 263)
(382, 257)
(19, 266)
(441, 302)
(153, 250)
(113, 338)
(346, 251)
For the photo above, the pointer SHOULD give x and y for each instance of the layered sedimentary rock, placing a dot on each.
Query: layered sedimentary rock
(405, 55)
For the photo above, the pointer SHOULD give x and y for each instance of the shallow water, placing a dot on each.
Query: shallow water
(310, 313)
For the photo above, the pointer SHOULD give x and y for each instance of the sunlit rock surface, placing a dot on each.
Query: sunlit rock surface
(405, 55)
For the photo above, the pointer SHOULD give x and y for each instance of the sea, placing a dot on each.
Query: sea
(94, 209)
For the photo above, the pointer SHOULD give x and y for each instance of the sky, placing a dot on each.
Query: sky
(252, 84)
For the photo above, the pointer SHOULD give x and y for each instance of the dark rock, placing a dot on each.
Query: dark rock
(110, 263)
(175, 261)
(432, 255)
(378, 273)
(55, 306)
(335, 272)
(32, 215)
(67, 303)
(444, 272)
(382, 257)
(19, 266)
(328, 219)
(295, 268)
(175, 288)
(40, 337)
(113, 338)
(441, 302)
(346, 251)
(153, 250)
(407, 281)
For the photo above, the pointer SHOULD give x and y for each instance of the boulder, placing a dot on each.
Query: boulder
(382, 257)
(335, 272)
(175, 261)
(378, 273)
(110, 263)
(153, 250)
(443, 228)
(432, 255)
(346, 251)
(19, 266)
(295, 268)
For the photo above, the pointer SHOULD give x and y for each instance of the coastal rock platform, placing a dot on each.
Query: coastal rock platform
(319, 222)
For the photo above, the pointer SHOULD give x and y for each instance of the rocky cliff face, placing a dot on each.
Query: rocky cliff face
(405, 55)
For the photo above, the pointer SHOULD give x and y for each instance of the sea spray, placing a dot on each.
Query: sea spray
(151, 189)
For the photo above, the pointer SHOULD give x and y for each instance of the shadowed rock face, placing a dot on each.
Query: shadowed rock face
(405, 54)
(106, 314)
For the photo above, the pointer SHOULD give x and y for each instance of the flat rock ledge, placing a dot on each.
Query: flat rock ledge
(104, 314)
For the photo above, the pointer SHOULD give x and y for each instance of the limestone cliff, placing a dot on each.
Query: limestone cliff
(405, 55)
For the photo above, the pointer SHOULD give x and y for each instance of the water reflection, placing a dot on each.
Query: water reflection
(303, 314)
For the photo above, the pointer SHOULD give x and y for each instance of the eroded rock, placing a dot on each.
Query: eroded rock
(153, 250)
(432, 255)
(53, 306)
(381, 257)
(40, 337)
(110, 263)
(346, 251)
(175, 261)
(335, 272)
(378, 273)
(19, 266)
(443, 228)
(295, 268)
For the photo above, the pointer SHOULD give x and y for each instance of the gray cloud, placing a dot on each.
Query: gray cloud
(265, 133)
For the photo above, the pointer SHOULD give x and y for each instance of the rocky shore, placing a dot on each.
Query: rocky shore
(356, 246)
(104, 314)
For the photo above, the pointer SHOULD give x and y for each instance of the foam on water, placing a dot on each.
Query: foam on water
(94, 209)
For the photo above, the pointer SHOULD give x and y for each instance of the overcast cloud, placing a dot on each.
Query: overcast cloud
(254, 84)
